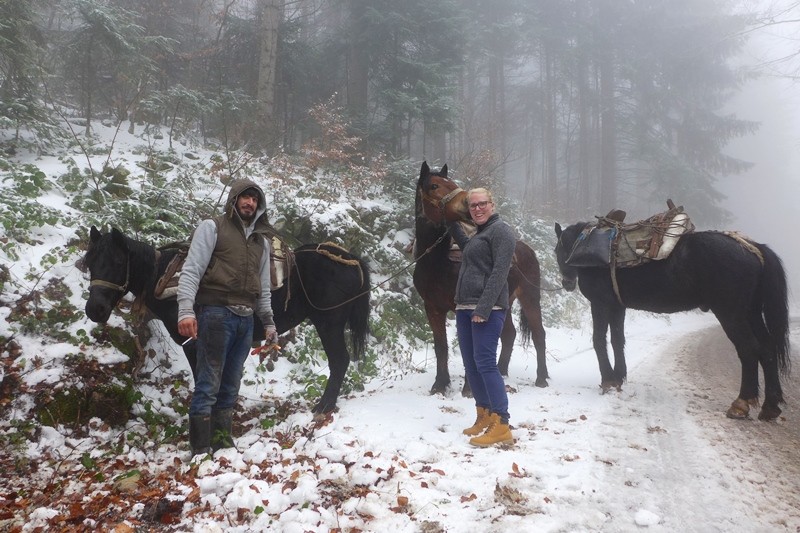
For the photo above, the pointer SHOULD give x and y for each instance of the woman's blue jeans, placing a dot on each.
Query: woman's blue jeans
(478, 342)
(223, 342)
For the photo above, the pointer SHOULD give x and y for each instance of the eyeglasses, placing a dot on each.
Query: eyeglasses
(479, 205)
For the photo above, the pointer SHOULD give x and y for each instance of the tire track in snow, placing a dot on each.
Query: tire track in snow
(714, 473)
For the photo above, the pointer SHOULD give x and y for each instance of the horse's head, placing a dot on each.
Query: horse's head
(442, 200)
(108, 262)
(564, 246)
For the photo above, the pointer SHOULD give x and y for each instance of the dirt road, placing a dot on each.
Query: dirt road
(766, 454)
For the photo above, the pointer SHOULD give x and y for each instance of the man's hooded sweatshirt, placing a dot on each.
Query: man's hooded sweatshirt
(228, 262)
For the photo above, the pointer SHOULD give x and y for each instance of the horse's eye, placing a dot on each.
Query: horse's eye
(434, 187)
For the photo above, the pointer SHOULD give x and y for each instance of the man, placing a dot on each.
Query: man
(224, 280)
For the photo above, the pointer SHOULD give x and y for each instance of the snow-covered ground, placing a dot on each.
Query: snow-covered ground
(658, 456)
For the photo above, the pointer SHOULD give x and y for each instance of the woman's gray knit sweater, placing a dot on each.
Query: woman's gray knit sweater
(486, 260)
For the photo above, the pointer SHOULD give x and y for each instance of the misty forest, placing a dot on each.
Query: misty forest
(574, 107)
(137, 114)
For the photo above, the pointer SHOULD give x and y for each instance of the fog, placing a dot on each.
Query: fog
(763, 200)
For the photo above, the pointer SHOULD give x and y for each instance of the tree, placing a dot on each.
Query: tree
(104, 48)
(20, 42)
(271, 14)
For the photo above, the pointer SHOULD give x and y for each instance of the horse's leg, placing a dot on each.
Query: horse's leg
(331, 334)
(599, 329)
(507, 337)
(747, 348)
(773, 392)
(532, 314)
(617, 323)
(437, 321)
(190, 350)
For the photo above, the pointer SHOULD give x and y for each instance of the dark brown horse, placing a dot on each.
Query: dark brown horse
(439, 200)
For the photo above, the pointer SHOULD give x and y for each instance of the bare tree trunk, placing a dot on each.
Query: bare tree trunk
(584, 132)
(271, 15)
(608, 142)
(550, 130)
(88, 83)
(357, 63)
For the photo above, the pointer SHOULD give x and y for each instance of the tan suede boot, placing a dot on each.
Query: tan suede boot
(496, 433)
(481, 422)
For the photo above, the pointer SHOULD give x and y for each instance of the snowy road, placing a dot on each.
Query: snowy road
(758, 462)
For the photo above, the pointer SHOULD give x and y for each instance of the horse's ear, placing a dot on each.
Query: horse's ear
(558, 230)
(443, 172)
(424, 169)
(119, 238)
(94, 234)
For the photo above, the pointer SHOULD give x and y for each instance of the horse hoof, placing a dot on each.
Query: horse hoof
(769, 414)
(323, 408)
(736, 414)
(320, 420)
(541, 383)
(607, 386)
(739, 409)
(438, 389)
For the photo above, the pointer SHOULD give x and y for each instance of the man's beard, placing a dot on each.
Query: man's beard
(247, 219)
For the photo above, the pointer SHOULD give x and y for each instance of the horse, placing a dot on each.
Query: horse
(327, 285)
(438, 201)
(742, 282)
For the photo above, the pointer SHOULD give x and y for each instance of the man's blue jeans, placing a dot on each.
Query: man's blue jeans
(223, 342)
(478, 342)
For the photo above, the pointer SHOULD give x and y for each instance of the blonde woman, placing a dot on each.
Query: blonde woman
(481, 307)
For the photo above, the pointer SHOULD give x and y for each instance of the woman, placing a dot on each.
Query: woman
(481, 305)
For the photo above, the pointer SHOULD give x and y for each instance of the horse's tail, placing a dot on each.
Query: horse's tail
(524, 328)
(775, 306)
(358, 320)
(528, 291)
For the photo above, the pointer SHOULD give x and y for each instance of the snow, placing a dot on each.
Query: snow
(582, 461)
(657, 456)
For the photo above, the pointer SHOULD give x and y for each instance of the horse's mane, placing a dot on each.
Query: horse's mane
(143, 259)
(142, 256)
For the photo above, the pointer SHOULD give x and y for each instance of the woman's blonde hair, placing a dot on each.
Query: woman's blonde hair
(480, 190)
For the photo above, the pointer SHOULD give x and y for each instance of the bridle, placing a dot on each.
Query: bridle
(442, 203)
(108, 285)
(560, 244)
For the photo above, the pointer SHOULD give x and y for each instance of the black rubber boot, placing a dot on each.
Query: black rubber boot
(221, 429)
(200, 434)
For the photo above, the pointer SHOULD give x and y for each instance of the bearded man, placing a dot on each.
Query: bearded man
(224, 281)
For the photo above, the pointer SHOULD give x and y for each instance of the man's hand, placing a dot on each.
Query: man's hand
(270, 335)
(188, 327)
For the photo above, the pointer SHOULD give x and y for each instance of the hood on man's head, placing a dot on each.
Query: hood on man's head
(238, 187)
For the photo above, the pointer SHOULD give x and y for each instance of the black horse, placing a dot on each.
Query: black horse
(742, 282)
(435, 275)
(328, 286)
